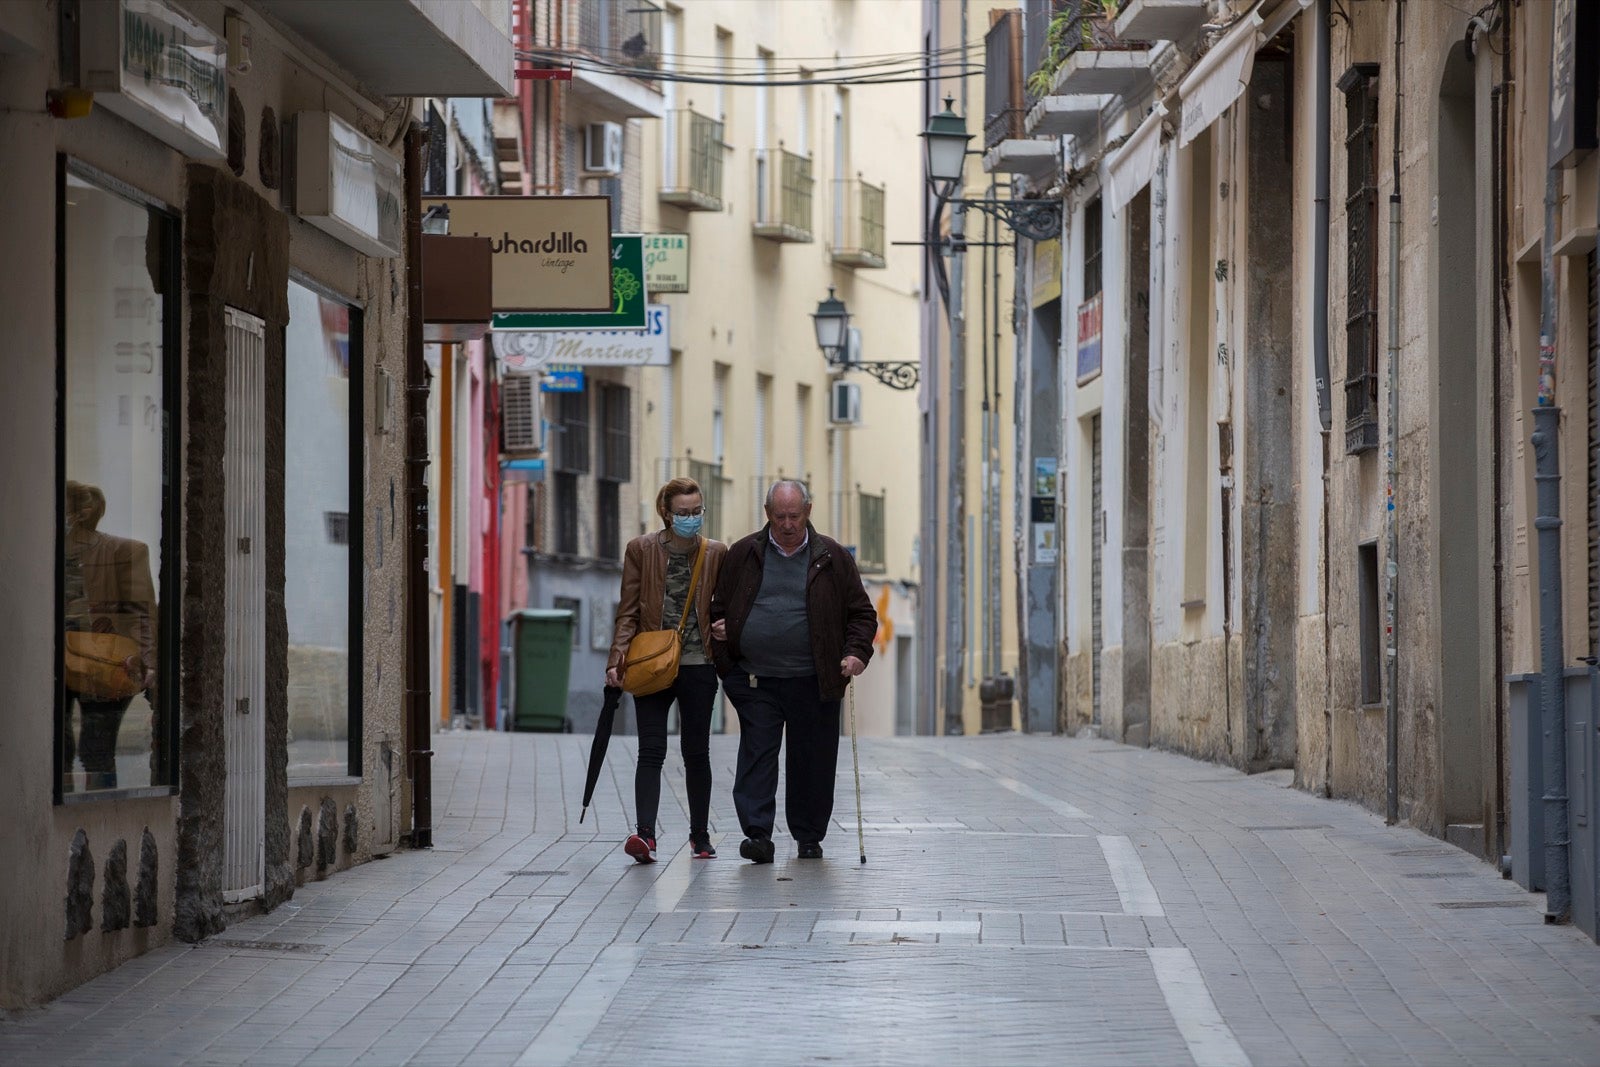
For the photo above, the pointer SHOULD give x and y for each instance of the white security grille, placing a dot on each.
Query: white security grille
(521, 419)
(1097, 526)
(245, 608)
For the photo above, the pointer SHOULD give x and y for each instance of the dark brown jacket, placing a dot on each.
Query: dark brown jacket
(644, 587)
(842, 620)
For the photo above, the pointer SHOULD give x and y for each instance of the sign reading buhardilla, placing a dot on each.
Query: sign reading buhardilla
(551, 253)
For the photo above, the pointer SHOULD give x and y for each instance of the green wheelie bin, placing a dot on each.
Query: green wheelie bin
(541, 663)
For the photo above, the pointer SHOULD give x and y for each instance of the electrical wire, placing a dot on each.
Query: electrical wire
(914, 74)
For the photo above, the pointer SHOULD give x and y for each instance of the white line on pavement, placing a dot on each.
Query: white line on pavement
(1138, 896)
(583, 1009)
(1210, 1041)
(1055, 804)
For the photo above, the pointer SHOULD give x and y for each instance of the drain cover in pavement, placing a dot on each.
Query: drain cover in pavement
(1481, 903)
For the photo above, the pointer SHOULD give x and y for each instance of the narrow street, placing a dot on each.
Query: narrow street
(1026, 900)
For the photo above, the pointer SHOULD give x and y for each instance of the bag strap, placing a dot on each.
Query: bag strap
(694, 580)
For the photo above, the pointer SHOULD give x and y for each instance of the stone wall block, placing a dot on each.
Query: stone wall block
(145, 894)
(351, 830)
(327, 834)
(80, 886)
(114, 904)
(306, 851)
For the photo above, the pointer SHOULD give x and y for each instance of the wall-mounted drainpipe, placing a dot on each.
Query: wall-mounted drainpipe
(1391, 536)
(1319, 346)
(419, 733)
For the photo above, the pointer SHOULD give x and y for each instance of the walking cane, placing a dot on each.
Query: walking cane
(855, 758)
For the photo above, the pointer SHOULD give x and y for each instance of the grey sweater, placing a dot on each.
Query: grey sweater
(777, 636)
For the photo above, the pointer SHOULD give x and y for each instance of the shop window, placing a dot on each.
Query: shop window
(117, 291)
(322, 532)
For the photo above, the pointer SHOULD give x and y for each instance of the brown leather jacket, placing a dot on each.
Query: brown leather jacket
(644, 586)
(843, 620)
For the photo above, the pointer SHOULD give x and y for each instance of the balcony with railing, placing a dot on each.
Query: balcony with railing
(858, 224)
(623, 40)
(1003, 103)
(691, 165)
(1083, 55)
(783, 195)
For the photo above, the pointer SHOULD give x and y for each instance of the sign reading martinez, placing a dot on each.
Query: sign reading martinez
(522, 351)
(551, 253)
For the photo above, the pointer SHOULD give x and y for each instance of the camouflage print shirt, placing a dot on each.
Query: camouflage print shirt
(680, 568)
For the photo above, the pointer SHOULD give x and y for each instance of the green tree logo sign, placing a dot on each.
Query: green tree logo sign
(625, 284)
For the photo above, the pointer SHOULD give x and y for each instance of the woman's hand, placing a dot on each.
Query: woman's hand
(614, 677)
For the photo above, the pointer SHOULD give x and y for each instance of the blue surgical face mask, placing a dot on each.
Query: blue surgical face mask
(687, 525)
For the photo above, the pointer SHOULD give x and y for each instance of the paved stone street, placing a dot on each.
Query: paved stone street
(1026, 900)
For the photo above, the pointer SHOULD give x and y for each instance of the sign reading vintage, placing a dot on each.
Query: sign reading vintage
(171, 77)
(551, 253)
(666, 262)
(624, 311)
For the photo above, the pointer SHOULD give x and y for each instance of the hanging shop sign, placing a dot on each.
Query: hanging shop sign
(1572, 80)
(1046, 272)
(625, 309)
(1089, 323)
(521, 351)
(666, 262)
(346, 186)
(159, 69)
(551, 253)
(561, 379)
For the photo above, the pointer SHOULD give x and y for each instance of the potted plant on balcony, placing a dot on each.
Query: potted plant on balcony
(1077, 27)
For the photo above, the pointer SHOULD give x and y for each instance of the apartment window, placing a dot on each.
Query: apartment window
(719, 403)
(802, 137)
(724, 67)
(616, 436)
(1360, 87)
(1371, 625)
(608, 522)
(571, 431)
(564, 512)
(870, 512)
(574, 605)
(1091, 249)
(322, 491)
(117, 383)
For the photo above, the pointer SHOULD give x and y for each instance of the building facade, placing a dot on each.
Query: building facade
(208, 582)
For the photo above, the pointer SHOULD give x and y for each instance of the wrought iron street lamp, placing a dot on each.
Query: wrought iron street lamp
(944, 144)
(832, 323)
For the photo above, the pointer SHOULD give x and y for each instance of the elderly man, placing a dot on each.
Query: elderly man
(791, 625)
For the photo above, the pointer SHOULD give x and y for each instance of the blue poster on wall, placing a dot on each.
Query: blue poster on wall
(559, 379)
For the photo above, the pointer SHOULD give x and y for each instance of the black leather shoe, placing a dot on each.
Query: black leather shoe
(756, 849)
(810, 850)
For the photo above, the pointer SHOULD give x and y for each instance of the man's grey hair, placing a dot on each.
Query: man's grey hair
(800, 487)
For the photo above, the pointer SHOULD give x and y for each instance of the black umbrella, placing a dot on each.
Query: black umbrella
(597, 750)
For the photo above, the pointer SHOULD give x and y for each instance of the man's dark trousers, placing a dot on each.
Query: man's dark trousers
(810, 757)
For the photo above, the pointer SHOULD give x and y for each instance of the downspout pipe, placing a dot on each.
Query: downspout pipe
(418, 725)
(1552, 640)
(1392, 438)
(1319, 224)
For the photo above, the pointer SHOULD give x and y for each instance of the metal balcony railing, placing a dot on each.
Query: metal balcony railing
(783, 195)
(691, 167)
(858, 224)
(1003, 101)
(623, 33)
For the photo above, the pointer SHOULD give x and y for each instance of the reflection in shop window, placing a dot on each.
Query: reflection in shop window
(117, 284)
(322, 352)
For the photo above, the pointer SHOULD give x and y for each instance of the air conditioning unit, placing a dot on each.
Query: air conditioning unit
(844, 404)
(521, 415)
(602, 148)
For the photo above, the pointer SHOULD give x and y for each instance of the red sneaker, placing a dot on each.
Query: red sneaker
(642, 849)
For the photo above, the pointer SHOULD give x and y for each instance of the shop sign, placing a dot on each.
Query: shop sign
(625, 311)
(528, 350)
(170, 74)
(561, 379)
(666, 262)
(551, 253)
(1089, 323)
(1046, 272)
(346, 186)
(1572, 79)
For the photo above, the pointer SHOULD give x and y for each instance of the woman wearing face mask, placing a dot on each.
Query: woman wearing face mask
(656, 573)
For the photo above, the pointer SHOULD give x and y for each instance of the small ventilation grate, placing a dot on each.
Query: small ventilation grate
(1466, 904)
(537, 874)
(1268, 829)
(262, 946)
(1438, 874)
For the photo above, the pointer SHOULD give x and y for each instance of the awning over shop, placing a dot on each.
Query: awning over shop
(1130, 167)
(1215, 82)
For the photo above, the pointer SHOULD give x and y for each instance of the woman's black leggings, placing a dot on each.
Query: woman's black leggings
(695, 690)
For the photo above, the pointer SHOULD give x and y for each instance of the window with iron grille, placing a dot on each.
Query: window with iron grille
(616, 440)
(608, 531)
(564, 513)
(709, 477)
(1091, 249)
(571, 432)
(1360, 86)
(869, 541)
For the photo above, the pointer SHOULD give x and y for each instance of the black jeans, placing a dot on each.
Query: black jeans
(695, 690)
(97, 739)
(766, 710)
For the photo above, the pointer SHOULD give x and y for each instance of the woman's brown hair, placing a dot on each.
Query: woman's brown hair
(673, 489)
